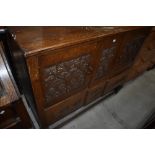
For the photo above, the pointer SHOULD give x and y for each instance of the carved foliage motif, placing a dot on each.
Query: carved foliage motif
(63, 78)
(131, 50)
(105, 59)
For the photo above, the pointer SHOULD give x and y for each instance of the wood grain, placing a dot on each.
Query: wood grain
(7, 87)
(145, 59)
(38, 39)
(70, 67)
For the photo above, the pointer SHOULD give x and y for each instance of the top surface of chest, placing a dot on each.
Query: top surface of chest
(32, 40)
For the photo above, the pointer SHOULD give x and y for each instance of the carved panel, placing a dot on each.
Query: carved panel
(105, 61)
(64, 78)
(130, 51)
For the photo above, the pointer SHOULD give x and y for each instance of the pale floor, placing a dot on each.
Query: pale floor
(125, 110)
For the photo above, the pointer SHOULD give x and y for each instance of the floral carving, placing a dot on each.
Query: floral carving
(107, 55)
(63, 78)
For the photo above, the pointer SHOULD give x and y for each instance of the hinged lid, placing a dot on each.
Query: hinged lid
(34, 40)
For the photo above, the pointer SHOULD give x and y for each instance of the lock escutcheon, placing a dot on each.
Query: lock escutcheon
(114, 40)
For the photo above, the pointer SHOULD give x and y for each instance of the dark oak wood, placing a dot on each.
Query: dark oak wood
(19, 70)
(116, 81)
(12, 110)
(14, 116)
(36, 40)
(21, 112)
(95, 92)
(145, 59)
(8, 91)
(64, 107)
(69, 67)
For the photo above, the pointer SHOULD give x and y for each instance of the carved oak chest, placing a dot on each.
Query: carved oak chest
(61, 69)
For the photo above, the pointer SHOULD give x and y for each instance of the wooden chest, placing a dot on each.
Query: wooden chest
(65, 68)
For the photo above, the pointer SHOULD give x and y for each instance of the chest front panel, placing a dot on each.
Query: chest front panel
(108, 49)
(63, 78)
(130, 50)
(66, 72)
(106, 59)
